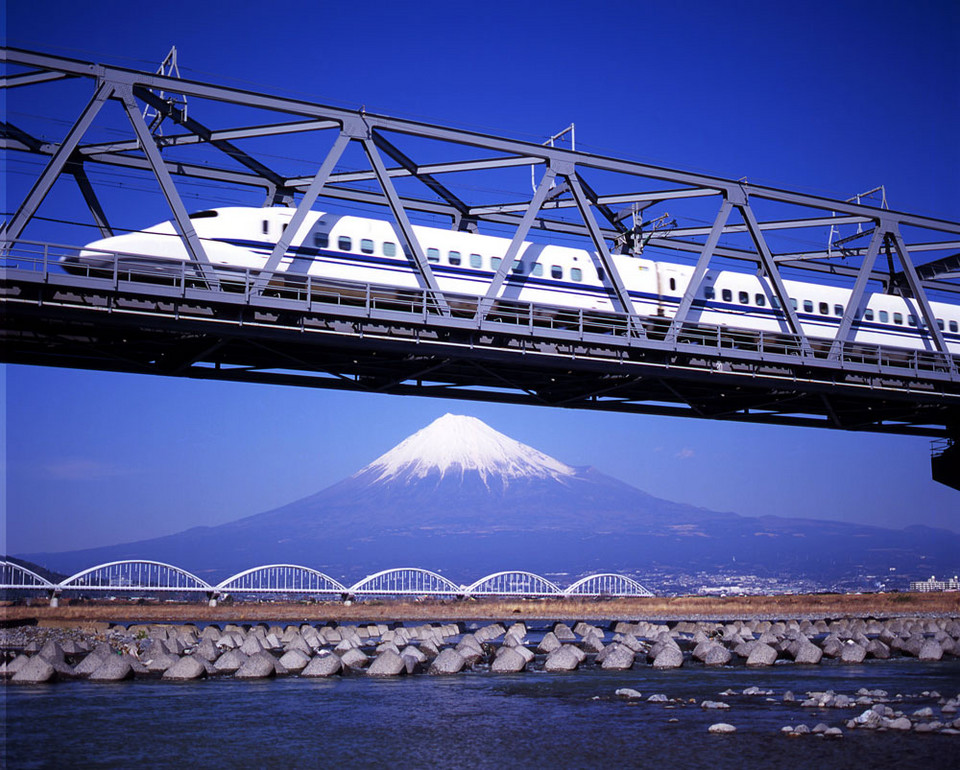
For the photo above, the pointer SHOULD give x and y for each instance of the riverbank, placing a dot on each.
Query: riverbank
(691, 608)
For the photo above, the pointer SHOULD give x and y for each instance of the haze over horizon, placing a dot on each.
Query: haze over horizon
(783, 96)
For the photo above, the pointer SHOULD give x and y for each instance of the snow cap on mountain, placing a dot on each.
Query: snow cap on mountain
(456, 444)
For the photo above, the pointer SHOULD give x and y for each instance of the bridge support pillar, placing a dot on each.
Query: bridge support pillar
(54, 599)
(211, 600)
(945, 462)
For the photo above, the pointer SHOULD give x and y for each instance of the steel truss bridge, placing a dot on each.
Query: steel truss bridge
(139, 577)
(207, 323)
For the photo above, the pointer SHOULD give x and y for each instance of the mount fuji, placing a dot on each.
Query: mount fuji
(461, 497)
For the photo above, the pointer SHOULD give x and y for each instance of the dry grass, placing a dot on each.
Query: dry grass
(652, 608)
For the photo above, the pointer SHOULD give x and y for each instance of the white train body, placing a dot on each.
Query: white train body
(367, 250)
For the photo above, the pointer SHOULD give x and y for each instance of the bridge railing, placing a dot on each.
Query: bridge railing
(315, 294)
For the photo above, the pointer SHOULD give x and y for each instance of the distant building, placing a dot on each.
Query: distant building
(953, 584)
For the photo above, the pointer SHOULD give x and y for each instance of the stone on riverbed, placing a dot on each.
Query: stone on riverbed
(112, 669)
(323, 665)
(762, 655)
(448, 662)
(258, 666)
(564, 658)
(295, 660)
(669, 657)
(931, 650)
(808, 653)
(853, 653)
(186, 668)
(230, 661)
(722, 728)
(387, 663)
(629, 693)
(618, 658)
(508, 661)
(35, 671)
(717, 655)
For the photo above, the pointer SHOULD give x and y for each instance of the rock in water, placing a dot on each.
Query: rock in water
(508, 661)
(387, 663)
(808, 653)
(722, 727)
(113, 669)
(619, 658)
(549, 643)
(230, 661)
(322, 666)
(258, 666)
(294, 660)
(931, 650)
(564, 658)
(448, 662)
(762, 655)
(853, 653)
(186, 668)
(717, 655)
(669, 657)
(34, 671)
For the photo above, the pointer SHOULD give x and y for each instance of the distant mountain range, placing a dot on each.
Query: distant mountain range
(462, 498)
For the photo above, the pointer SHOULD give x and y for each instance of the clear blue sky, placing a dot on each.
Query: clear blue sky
(832, 98)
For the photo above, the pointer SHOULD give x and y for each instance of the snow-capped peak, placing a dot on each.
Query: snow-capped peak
(455, 444)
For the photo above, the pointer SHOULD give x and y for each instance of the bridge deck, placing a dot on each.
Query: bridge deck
(373, 338)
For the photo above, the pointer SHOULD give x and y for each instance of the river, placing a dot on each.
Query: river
(475, 719)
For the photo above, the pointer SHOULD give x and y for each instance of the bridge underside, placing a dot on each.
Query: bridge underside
(371, 339)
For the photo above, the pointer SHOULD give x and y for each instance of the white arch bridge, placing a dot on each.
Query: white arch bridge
(137, 577)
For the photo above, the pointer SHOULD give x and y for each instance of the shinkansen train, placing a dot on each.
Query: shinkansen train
(351, 248)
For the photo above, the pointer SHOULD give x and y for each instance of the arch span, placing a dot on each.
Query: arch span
(281, 579)
(13, 575)
(406, 581)
(135, 575)
(513, 583)
(607, 584)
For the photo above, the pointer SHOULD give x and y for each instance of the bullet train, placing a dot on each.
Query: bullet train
(352, 248)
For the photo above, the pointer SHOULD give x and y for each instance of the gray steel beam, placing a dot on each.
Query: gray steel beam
(13, 229)
(442, 192)
(916, 288)
(612, 278)
(179, 117)
(296, 221)
(703, 262)
(506, 265)
(31, 78)
(415, 254)
(181, 219)
(90, 198)
(854, 309)
(773, 274)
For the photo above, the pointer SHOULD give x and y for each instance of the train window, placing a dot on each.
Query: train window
(838, 309)
(884, 317)
(344, 243)
(495, 262)
(433, 255)
(709, 292)
(283, 228)
(266, 226)
(775, 303)
(537, 269)
(824, 308)
(321, 240)
(744, 298)
(600, 274)
(898, 319)
(453, 257)
(366, 246)
(476, 260)
(576, 274)
(518, 266)
(203, 214)
(867, 315)
(556, 271)
(793, 302)
(726, 295)
(807, 306)
(761, 300)
(912, 320)
(953, 326)
(389, 249)
(673, 284)
(940, 324)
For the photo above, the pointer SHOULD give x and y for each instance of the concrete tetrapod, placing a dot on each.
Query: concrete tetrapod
(325, 664)
(387, 663)
(185, 669)
(35, 671)
(565, 658)
(113, 669)
(449, 661)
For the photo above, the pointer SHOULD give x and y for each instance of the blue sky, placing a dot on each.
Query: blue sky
(831, 98)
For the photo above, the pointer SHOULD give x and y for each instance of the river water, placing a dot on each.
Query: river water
(475, 719)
